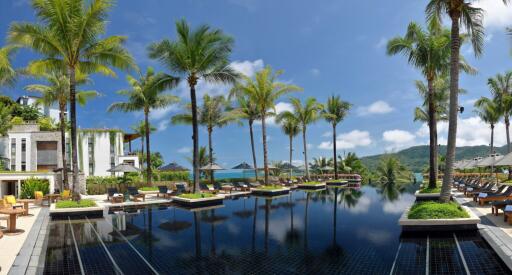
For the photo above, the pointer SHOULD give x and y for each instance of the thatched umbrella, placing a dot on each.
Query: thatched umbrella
(211, 167)
(174, 225)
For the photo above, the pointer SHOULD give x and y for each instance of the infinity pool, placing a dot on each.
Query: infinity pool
(326, 232)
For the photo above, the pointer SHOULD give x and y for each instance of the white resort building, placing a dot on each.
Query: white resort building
(27, 152)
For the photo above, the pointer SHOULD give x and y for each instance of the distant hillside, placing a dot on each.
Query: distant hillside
(416, 157)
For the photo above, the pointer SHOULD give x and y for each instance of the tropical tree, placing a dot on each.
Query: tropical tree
(263, 91)
(390, 170)
(334, 112)
(489, 112)
(57, 92)
(290, 127)
(70, 36)
(305, 114)
(146, 94)
(203, 157)
(320, 163)
(212, 114)
(459, 11)
(249, 111)
(501, 89)
(140, 129)
(7, 72)
(5, 118)
(429, 51)
(202, 53)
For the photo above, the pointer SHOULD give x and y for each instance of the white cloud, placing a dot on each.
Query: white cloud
(315, 72)
(363, 205)
(377, 107)
(162, 125)
(473, 131)
(248, 68)
(184, 150)
(327, 134)
(158, 114)
(350, 140)
(280, 107)
(398, 139)
(497, 15)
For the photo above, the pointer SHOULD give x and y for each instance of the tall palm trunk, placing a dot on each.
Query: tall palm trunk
(305, 150)
(195, 133)
(148, 150)
(334, 151)
(291, 154)
(62, 118)
(253, 151)
(432, 124)
(454, 89)
(492, 145)
(74, 140)
(142, 140)
(210, 150)
(265, 153)
(507, 129)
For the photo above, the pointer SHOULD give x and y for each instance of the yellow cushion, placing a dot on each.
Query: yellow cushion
(66, 193)
(10, 199)
(38, 195)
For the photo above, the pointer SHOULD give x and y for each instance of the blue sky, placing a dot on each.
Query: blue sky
(327, 47)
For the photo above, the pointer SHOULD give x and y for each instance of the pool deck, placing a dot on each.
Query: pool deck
(12, 247)
(495, 231)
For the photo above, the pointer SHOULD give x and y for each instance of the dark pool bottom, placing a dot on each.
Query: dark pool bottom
(328, 232)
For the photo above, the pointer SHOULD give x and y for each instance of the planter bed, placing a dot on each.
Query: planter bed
(337, 183)
(152, 192)
(427, 196)
(456, 224)
(318, 185)
(270, 192)
(199, 202)
(75, 213)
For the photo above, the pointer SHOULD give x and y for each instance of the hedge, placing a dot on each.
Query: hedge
(31, 185)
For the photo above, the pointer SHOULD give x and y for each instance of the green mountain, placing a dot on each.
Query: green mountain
(416, 157)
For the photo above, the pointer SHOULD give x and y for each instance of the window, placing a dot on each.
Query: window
(91, 155)
(23, 154)
(46, 155)
(13, 154)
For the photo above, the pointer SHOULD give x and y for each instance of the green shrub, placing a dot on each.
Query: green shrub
(172, 175)
(46, 124)
(108, 180)
(427, 190)
(17, 120)
(76, 204)
(31, 185)
(148, 188)
(437, 210)
(196, 195)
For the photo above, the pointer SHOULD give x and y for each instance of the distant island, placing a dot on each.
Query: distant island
(416, 157)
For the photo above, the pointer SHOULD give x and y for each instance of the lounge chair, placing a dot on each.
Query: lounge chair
(241, 186)
(254, 184)
(499, 191)
(497, 197)
(470, 191)
(135, 195)
(180, 188)
(499, 205)
(164, 192)
(111, 192)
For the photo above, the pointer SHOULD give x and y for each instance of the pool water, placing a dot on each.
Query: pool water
(333, 231)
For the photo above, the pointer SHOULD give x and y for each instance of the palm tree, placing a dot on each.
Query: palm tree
(305, 114)
(147, 94)
(202, 53)
(57, 92)
(390, 170)
(203, 157)
(320, 163)
(290, 127)
(140, 129)
(67, 36)
(7, 73)
(501, 89)
(334, 112)
(429, 51)
(459, 11)
(489, 111)
(249, 111)
(264, 91)
(212, 114)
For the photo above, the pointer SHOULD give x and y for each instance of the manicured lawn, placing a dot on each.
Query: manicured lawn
(269, 187)
(311, 183)
(427, 190)
(437, 210)
(196, 195)
(149, 188)
(74, 204)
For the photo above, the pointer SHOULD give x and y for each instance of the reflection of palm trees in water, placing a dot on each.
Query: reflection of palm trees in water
(254, 224)
(197, 235)
(391, 190)
(306, 223)
(268, 202)
(292, 236)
